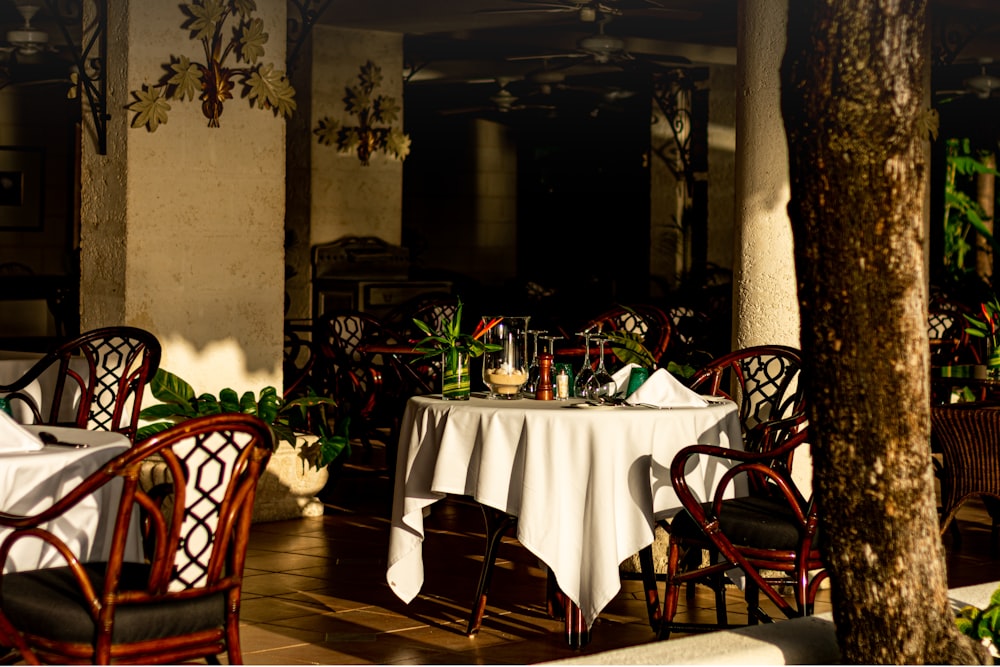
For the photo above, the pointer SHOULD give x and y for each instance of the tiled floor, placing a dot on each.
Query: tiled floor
(315, 591)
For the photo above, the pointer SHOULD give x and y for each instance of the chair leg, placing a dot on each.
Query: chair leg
(648, 573)
(497, 523)
(671, 593)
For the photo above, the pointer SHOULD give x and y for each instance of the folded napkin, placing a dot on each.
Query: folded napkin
(621, 378)
(663, 390)
(16, 438)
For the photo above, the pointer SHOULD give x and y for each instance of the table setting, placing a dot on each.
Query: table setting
(41, 463)
(586, 478)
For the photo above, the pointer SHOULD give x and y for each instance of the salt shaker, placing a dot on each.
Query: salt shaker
(544, 391)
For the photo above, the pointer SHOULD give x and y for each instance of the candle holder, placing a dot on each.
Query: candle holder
(505, 369)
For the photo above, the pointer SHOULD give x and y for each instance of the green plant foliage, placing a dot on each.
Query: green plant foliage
(213, 81)
(983, 625)
(375, 115)
(450, 337)
(963, 214)
(286, 418)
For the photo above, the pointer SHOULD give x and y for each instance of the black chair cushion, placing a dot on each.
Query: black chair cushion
(756, 522)
(48, 603)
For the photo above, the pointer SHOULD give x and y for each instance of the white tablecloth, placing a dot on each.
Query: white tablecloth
(587, 484)
(14, 364)
(31, 481)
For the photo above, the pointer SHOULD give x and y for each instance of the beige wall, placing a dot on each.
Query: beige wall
(182, 228)
(331, 194)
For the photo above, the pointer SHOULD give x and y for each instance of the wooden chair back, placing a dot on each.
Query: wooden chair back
(183, 602)
(107, 369)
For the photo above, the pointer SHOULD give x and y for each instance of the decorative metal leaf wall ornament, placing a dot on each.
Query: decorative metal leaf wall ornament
(375, 113)
(213, 81)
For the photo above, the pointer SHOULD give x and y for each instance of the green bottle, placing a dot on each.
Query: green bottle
(5, 405)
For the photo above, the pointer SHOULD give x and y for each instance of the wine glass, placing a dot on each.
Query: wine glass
(532, 384)
(600, 387)
(586, 372)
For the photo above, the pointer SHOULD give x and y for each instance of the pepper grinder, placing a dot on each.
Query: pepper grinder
(544, 390)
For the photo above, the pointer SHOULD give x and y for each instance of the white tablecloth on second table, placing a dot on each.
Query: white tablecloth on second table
(14, 364)
(31, 481)
(586, 483)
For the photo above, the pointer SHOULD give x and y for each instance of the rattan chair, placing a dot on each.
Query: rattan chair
(770, 534)
(119, 362)
(968, 437)
(181, 604)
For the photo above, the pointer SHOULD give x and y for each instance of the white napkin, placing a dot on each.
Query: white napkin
(621, 378)
(663, 390)
(16, 438)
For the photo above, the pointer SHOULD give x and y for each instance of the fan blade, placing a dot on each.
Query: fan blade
(553, 10)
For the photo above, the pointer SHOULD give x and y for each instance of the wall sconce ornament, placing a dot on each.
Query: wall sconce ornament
(366, 137)
(213, 81)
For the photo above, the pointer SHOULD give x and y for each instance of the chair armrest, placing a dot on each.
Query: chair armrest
(760, 464)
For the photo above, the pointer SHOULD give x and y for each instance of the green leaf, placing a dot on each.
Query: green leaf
(208, 405)
(186, 80)
(248, 403)
(252, 42)
(169, 388)
(309, 402)
(229, 400)
(283, 433)
(628, 348)
(271, 89)
(164, 410)
(150, 109)
(149, 430)
(268, 404)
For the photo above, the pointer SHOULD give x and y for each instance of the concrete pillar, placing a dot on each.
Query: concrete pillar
(182, 228)
(765, 305)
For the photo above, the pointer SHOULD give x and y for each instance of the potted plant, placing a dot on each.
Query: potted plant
(455, 350)
(304, 444)
(983, 625)
(988, 328)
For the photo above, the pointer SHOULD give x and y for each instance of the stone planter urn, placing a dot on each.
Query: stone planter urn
(287, 489)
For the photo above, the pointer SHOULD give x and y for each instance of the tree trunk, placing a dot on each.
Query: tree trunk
(853, 107)
(985, 196)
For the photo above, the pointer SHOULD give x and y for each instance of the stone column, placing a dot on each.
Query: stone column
(765, 304)
(182, 228)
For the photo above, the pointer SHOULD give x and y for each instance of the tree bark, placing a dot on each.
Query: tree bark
(852, 101)
(985, 196)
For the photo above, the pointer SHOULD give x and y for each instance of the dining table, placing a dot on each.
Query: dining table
(586, 483)
(31, 481)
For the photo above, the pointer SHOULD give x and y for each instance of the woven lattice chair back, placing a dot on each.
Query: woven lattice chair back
(764, 380)
(183, 601)
(968, 437)
(648, 322)
(104, 370)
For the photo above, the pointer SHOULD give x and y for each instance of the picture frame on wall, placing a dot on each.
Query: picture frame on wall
(21, 173)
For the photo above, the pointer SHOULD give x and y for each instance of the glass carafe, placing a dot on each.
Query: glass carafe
(505, 369)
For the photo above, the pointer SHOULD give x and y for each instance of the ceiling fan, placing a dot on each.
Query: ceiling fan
(604, 49)
(982, 85)
(590, 11)
(502, 101)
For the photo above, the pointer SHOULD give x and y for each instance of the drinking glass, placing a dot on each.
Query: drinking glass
(586, 372)
(532, 383)
(505, 370)
(600, 387)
